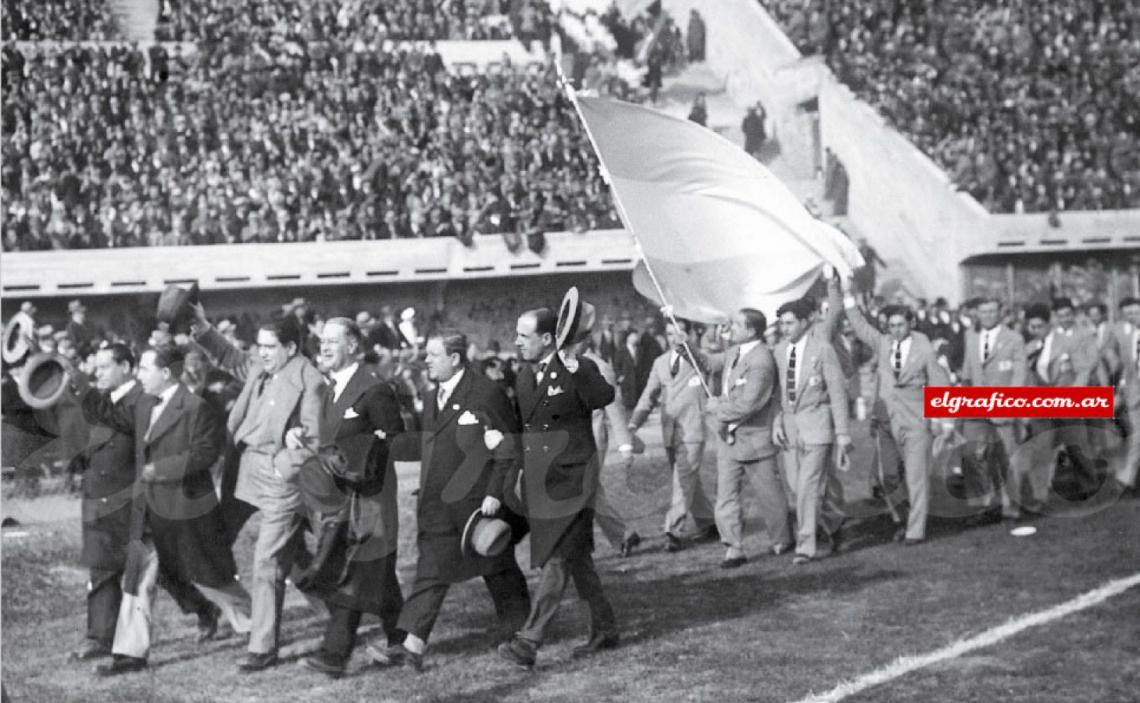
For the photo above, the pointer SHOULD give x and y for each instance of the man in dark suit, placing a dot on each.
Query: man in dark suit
(108, 466)
(464, 470)
(175, 530)
(559, 475)
(626, 368)
(354, 570)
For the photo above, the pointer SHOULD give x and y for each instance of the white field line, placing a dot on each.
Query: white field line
(905, 665)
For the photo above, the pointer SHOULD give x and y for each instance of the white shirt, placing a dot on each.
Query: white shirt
(121, 392)
(1043, 360)
(1135, 342)
(340, 379)
(987, 340)
(446, 388)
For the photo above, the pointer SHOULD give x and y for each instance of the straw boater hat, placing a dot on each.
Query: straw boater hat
(485, 536)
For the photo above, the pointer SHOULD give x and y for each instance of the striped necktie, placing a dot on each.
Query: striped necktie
(791, 382)
(898, 359)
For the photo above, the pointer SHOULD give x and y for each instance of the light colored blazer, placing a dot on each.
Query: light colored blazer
(819, 411)
(682, 401)
(295, 398)
(1005, 366)
(1121, 354)
(903, 397)
(749, 404)
(1072, 357)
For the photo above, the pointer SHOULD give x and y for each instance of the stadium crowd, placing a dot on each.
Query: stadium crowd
(118, 147)
(1029, 106)
(58, 20)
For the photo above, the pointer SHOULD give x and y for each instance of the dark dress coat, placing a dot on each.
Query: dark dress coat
(108, 467)
(458, 472)
(560, 464)
(179, 507)
(349, 569)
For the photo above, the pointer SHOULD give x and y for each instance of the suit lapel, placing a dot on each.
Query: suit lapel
(804, 366)
(168, 416)
(552, 370)
(352, 392)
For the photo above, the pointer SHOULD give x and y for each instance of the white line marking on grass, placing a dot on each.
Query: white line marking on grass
(905, 665)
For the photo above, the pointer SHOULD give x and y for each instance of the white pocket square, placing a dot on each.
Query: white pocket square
(467, 418)
(554, 390)
(351, 414)
(740, 381)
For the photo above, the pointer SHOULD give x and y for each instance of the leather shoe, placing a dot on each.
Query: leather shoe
(900, 534)
(90, 650)
(208, 624)
(258, 661)
(710, 534)
(121, 664)
(326, 667)
(596, 644)
(629, 544)
(912, 542)
(801, 559)
(395, 655)
(733, 562)
(779, 549)
(672, 544)
(519, 652)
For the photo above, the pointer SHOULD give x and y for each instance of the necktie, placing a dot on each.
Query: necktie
(265, 376)
(675, 367)
(898, 359)
(541, 371)
(441, 398)
(154, 415)
(792, 374)
(985, 346)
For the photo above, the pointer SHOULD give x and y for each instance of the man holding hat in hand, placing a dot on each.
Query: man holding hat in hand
(467, 448)
(557, 398)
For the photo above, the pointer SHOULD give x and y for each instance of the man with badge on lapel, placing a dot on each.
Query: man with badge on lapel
(466, 451)
(744, 412)
(176, 532)
(559, 474)
(907, 363)
(353, 489)
(994, 355)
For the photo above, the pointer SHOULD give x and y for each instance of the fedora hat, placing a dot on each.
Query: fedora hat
(174, 304)
(318, 483)
(485, 536)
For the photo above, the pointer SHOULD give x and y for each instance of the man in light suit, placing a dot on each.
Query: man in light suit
(744, 412)
(994, 355)
(354, 570)
(907, 363)
(176, 533)
(675, 385)
(812, 420)
(282, 395)
(462, 473)
(1067, 357)
(1123, 353)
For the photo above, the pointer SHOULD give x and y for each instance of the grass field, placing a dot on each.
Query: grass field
(768, 631)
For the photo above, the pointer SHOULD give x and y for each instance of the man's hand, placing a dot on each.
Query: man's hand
(295, 438)
(569, 357)
(491, 506)
(149, 474)
(200, 320)
(779, 434)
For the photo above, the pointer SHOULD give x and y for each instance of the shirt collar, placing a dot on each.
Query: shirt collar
(166, 395)
(340, 378)
(546, 361)
(450, 384)
(747, 347)
(123, 389)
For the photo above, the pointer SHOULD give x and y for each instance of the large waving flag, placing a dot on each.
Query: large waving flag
(717, 230)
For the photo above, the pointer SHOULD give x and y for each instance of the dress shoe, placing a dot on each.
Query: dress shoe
(208, 624)
(519, 652)
(801, 559)
(913, 541)
(779, 549)
(672, 544)
(121, 664)
(900, 534)
(630, 543)
(836, 540)
(596, 644)
(329, 668)
(733, 562)
(395, 655)
(256, 661)
(90, 650)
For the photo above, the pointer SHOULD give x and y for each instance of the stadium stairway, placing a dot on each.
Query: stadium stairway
(725, 117)
(136, 19)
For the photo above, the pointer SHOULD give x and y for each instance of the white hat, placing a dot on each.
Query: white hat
(408, 314)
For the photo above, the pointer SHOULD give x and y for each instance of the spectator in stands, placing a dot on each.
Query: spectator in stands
(699, 113)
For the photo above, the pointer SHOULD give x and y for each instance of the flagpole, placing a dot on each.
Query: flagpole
(667, 308)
